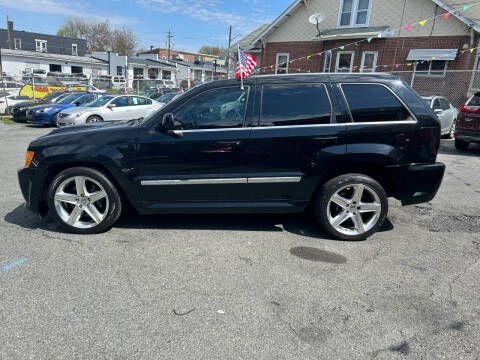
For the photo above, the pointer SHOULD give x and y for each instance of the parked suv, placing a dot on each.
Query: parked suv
(342, 143)
(468, 124)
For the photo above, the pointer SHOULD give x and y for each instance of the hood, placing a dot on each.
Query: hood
(88, 127)
(70, 134)
(55, 107)
(73, 110)
(30, 104)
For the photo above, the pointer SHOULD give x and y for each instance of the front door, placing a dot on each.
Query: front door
(204, 163)
(120, 111)
(297, 134)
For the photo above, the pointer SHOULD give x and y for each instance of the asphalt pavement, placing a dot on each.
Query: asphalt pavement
(242, 286)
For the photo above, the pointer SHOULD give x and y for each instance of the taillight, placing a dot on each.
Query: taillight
(471, 109)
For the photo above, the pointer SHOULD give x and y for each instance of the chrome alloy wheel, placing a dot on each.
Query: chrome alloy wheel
(354, 209)
(81, 202)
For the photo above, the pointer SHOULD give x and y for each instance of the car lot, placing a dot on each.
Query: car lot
(242, 286)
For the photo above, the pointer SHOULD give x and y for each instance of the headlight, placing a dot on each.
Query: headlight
(22, 108)
(46, 109)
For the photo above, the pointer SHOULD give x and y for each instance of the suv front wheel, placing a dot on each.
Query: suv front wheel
(351, 207)
(84, 201)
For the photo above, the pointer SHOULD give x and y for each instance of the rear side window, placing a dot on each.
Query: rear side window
(474, 101)
(373, 103)
(284, 105)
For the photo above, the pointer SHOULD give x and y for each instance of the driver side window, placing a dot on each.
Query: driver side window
(213, 109)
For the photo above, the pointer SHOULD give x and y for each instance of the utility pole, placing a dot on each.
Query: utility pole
(170, 36)
(228, 51)
(3, 80)
(8, 36)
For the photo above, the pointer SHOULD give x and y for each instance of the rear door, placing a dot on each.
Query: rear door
(141, 107)
(383, 129)
(291, 141)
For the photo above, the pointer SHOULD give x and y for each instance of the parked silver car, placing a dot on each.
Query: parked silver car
(446, 113)
(109, 108)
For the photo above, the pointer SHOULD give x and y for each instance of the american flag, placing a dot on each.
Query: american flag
(246, 63)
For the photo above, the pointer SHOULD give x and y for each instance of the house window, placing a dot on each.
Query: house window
(327, 65)
(74, 49)
(281, 64)
(41, 45)
(119, 70)
(344, 61)
(166, 74)
(369, 61)
(431, 68)
(354, 13)
(197, 75)
(17, 43)
(137, 72)
(77, 70)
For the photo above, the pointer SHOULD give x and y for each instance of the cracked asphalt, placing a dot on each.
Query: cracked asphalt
(242, 286)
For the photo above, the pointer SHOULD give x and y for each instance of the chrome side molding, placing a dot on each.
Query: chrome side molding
(252, 180)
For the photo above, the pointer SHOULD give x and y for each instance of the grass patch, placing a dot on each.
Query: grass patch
(113, 91)
(7, 120)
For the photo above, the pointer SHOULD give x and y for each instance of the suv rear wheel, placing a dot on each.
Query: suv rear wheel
(461, 145)
(351, 207)
(84, 201)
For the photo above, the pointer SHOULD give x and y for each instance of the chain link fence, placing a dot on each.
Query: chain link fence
(455, 85)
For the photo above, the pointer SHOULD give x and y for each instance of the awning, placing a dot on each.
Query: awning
(351, 33)
(428, 54)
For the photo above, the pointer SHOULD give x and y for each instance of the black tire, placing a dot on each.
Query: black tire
(112, 213)
(55, 119)
(322, 200)
(461, 145)
(94, 118)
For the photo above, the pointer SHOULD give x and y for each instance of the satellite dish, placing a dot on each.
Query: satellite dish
(316, 19)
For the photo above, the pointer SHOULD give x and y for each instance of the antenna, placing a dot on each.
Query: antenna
(316, 19)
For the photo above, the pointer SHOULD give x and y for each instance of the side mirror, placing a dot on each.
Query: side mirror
(168, 122)
(76, 103)
(111, 106)
(168, 125)
(438, 111)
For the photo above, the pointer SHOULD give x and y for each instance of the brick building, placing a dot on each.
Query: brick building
(292, 36)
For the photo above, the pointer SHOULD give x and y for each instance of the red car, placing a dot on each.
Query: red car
(468, 123)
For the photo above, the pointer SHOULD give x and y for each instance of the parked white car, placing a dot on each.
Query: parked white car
(446, 113)
(11, 87)
(109, 108)
(10, 100)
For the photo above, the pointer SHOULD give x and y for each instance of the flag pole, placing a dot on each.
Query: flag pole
(240, 66)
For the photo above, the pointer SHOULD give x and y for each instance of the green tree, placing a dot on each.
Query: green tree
(212, 50)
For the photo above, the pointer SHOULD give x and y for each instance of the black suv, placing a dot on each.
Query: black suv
(342, 143)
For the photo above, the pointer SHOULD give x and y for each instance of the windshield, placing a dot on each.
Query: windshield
(165, 98)
(70, 98)
(51, 96)
(100, 101)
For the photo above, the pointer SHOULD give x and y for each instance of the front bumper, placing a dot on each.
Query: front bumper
(41, 118)
(417, 184)
(31, 181)
(70, 120)
(467, 135)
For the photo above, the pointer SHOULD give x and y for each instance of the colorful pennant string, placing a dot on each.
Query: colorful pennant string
(380, 35)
